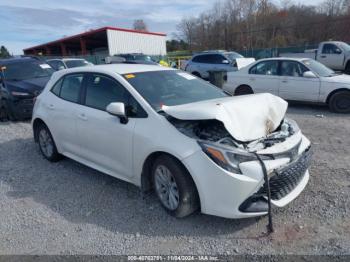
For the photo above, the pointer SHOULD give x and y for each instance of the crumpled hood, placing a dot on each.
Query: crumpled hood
(246, 118)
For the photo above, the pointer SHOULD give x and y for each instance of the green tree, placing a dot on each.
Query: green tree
(4, 53)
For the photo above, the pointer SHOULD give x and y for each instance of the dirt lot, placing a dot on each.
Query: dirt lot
(66, 208)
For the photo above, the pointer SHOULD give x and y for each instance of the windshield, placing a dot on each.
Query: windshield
(23, 70)
(233, 55)
(76, 63)
(344, 46)
(172, 87)
(318, 68)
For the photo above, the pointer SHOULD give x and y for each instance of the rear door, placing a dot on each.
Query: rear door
(293, 86)
(332, 56)
(62, 106)
(263, 77)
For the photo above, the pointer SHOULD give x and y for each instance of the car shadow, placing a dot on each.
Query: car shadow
(85, 196)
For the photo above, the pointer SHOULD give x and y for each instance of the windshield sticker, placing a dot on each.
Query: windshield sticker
(129, 76)
(187, 76)
(45, 66)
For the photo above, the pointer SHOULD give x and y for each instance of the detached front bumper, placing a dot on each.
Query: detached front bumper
(242, 195)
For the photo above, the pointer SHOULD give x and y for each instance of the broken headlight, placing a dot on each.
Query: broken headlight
(227, 158)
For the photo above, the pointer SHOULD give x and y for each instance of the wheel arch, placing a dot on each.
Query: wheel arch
(335, 91)
(240, 87)
(146, 175)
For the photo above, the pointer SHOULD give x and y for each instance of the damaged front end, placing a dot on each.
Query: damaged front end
(223, 148)
(234, 139)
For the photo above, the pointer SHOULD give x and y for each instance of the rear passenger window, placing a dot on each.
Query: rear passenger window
(265, 68)
(70, 88)
(101, 91)
(202, 59)
(57, 87)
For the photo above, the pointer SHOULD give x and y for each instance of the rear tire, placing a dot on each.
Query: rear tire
(47, 144)
(3, 114)
(243, 90)
(174, 187)
(347, 68)
(340, 102)
(7, 114)
(197, 74)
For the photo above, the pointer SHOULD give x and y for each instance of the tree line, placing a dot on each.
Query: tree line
(252, 24)
(4, 53)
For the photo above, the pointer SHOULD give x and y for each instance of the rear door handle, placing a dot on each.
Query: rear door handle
(83, 117)
(323, 56)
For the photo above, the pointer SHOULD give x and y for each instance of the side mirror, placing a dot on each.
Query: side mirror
(225, 62)
(118, 109)
(61, 68)
(309, 74)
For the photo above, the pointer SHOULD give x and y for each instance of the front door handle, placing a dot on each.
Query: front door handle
(252, 79)
(51, 107)
(284, 81)
(83, 117)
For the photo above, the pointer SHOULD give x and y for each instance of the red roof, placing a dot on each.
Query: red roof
(91, 32)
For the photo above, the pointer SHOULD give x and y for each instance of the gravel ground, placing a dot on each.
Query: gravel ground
(67, 208)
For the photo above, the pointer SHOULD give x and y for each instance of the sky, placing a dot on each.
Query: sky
(25, 23)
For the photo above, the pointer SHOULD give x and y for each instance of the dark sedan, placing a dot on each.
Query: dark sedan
(21, 80)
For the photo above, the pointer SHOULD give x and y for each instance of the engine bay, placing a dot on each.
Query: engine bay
(214, 131)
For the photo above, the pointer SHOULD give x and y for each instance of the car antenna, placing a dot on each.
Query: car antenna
(267, 184)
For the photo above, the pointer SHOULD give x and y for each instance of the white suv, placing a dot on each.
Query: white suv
(201, 64)
(161, 128)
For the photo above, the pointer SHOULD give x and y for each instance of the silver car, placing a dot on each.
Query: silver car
(200, 64)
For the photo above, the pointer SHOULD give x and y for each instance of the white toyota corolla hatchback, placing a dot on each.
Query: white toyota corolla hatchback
(163, 129)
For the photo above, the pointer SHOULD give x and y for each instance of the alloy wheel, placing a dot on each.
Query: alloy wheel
(166, 187)
(46, 143)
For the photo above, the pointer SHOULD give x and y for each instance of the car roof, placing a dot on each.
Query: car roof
(285, 58)
(116, 68)
(64, 59)
(16, 59)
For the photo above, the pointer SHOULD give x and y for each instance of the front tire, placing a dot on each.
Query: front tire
(47, 144)
(340, 102)
(174, 187)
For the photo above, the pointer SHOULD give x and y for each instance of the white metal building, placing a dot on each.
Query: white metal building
(104, 41)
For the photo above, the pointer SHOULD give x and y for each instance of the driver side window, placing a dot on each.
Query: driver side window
(331, 49)
(102, 90)
(292, 69)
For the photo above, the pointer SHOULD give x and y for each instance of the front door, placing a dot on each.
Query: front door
(104, 140)
(332, 56)
(294, 86)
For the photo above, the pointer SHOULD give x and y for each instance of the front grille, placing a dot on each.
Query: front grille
(26, 102)
(284, 180)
